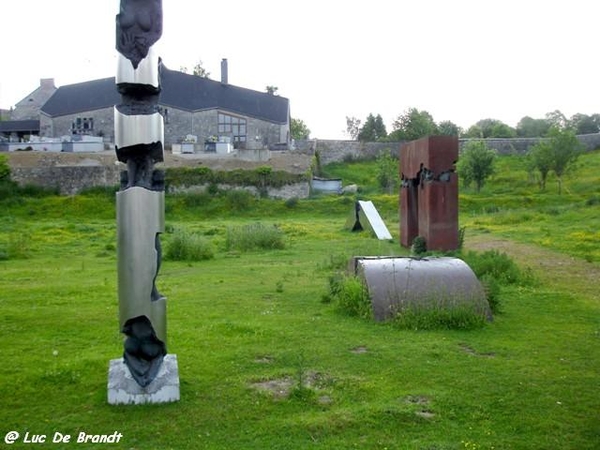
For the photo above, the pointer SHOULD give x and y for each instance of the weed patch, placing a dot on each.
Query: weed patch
(254, 237)
(184, 246)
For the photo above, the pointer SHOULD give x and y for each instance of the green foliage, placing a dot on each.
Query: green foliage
(255, 236)
(448, 128)
(350, 296)
(565, 148)
(490, 128)
(4, 169)
(460, 317)
(353, 127)
(239, 200)
(476, 164)
(419, 246)
(260, 177)
(493, 290)
(387, 172)
(413, 124)
(540, 159)
(530, 128)
(498, 266)
(373, 129)
(299, 130)
(584, 124)
(17, 246)
(185, 246)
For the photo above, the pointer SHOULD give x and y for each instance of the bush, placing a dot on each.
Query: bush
(419, 246)
(239, 200)
(349, 295)
(476, 164)
(254, 236)
(4, 169)
(496, 265)
(184, 246)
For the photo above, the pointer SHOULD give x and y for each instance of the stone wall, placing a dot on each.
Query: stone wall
(336, 151)
(295, 190)
(69, 180)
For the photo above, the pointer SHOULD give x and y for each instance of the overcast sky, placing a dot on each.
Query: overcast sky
(460, 60)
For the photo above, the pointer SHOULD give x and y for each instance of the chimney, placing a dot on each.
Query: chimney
(224, 71)
(47, 82)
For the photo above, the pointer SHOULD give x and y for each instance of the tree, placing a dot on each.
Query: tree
(583, 124)
(540, 158)
(566, 148)
(557, 119)
(200, 71)
(352, 127)
(448, 128)
(299, 130)
(387, 171)
(490, 128)
(272, 90)
(476, 164)
(529, 127)
(373, 130)
(413, 124)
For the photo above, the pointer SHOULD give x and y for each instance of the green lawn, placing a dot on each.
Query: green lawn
(528, 380)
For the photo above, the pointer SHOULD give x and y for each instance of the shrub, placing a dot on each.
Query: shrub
(291, 203)
(184, 246)
(419, 246)
(239, 199)
(349, 295)
(254, 236)
(4, 169)
(496, 265)
(492, 289)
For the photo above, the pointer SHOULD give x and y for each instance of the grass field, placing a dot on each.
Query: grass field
(266, 364)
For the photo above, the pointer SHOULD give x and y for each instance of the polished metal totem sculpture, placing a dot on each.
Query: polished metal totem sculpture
(139, 135)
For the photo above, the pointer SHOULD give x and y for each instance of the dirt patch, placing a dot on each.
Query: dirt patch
(471, 351)
(359, 350)
(548, 265)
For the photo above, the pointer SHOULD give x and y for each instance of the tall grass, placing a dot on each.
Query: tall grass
(185, 246)
(253, 237)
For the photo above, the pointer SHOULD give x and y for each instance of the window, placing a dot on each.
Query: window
(82, 125)
(233, 126)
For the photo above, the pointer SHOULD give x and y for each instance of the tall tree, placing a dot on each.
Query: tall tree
(476, 164)
(373, 130)
(299, 130)
(583, 124)
(413, 124)
(448, 128)
(352, 127)
(490, 128)
(557, 119)
(529, 127)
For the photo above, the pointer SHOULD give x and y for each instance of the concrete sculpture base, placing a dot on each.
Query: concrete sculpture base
(123, 389)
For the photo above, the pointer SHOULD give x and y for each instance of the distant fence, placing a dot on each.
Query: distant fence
(341, 150)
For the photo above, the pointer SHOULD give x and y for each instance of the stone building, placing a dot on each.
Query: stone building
(24, 119)
(190, 105)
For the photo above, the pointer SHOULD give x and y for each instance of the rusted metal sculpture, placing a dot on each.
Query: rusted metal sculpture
(429, 192)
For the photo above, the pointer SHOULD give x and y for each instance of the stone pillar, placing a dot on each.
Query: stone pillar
(429, 192)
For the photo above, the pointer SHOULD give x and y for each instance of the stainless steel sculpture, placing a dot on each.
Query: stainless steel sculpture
(396, 283)
(139, 135)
